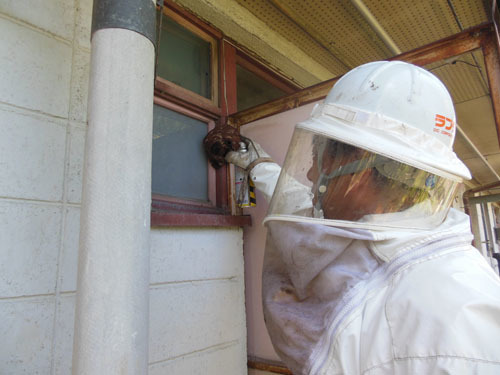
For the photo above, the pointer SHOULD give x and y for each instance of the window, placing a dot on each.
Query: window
(187, 55)
(190, 99)
(253, 90)
(185, 58)
(255, 84)
(185, 109)
(178, 152)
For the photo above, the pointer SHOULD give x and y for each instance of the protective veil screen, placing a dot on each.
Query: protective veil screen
(333, 183)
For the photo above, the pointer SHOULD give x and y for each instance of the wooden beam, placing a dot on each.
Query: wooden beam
(492, 62)
(457, 44)
(164, 219)
(302, 97)
(180, 95)
(268, 366)
(454, 45)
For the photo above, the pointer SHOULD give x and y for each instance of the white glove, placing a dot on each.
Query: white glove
(243, 159)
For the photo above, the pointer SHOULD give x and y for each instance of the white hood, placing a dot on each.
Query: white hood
(312, 271)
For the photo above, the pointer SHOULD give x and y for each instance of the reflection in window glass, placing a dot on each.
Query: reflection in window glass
(184, 58)
(253, 90)
(180, 166)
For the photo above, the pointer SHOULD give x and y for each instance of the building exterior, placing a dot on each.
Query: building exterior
(197, 313)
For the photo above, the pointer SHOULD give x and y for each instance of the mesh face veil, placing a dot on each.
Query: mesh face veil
(338, 184)
(376, 154)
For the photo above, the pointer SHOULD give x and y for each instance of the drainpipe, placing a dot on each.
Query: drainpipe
(376, 26)
(478, 153)
(112, 300)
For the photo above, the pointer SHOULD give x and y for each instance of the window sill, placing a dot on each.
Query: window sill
(171, 219)
(170, 211)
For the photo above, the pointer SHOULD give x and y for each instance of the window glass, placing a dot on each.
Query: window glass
(184, 58)
(253, 90)
(180, 167)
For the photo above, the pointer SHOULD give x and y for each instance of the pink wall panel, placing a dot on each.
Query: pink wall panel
(273, 134)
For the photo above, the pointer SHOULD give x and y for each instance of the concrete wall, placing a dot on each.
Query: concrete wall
(197, 302)
(197, 323)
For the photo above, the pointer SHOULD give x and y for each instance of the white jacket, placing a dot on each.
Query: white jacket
(353, 301)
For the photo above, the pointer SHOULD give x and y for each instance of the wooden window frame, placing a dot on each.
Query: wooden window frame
(174, 211)
(244, 60)
(220, 210)
(209, 35)
(211, 173)
(232, 56)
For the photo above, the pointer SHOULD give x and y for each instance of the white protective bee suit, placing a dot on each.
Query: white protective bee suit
(393, 285)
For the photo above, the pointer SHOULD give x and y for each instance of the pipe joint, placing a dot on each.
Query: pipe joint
(135, 15)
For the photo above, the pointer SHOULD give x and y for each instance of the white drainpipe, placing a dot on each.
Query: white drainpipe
(375, 25)
(478, 153)
(112, 304)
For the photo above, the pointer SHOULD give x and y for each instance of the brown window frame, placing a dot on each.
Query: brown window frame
(168, 210)
(265, 73)
(204, 206)
(220, 210)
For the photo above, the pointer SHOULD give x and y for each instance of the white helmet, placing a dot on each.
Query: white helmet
(395, 109)
(383, 123)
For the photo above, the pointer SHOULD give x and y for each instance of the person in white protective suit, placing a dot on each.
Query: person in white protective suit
(367, 270)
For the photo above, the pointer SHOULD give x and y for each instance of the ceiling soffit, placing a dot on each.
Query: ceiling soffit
(335, 30)
(336, 36)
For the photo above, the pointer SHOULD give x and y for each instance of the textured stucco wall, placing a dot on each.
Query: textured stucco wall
(197, 323)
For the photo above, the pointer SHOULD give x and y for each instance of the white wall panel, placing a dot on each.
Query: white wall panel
(31, 156)
(35, 70)
(189, 317)
(197, 318)
(26, 335)
(228, 360)
(30, 235)
(54, 16)
(184, 254)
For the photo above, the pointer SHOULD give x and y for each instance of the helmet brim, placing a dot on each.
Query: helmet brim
(419, 151)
